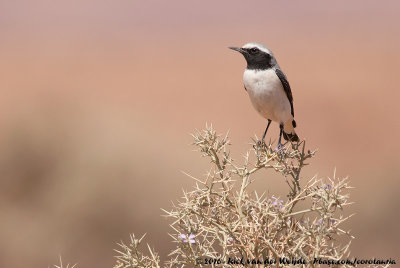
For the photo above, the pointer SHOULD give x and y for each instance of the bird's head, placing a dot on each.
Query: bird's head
(258, 56)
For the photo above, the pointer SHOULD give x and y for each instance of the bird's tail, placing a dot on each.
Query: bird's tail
(288, 131)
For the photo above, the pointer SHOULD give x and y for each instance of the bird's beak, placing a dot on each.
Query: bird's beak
(238, 49)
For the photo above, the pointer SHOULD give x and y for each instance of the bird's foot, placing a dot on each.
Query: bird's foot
(261, 144)
(280, 147)
(280, 151)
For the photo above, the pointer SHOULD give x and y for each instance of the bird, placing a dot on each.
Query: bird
(268, 89)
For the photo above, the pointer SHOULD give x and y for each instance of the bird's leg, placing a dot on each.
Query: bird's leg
(265, 132)
(280, 137)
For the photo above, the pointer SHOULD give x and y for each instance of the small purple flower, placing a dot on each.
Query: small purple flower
(320, 221)
(188, 239)
(277, 202)
(253, 213)
(229, 240)
(326, 187)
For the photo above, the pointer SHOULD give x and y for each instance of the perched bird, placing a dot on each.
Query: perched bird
(268, 89)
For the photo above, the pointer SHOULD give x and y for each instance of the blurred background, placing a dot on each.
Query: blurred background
(98, 99)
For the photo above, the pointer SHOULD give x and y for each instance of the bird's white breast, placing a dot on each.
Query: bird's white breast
(267, 94)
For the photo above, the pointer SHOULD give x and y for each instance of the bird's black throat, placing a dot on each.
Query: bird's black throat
(258, 61)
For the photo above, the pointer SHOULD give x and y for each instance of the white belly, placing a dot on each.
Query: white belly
(267, 95)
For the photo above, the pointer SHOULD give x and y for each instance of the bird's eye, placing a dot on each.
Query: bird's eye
(253, 50)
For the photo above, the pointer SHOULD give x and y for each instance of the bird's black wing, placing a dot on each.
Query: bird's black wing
(286, 87)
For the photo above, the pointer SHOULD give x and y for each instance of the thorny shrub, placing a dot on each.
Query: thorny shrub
(221, 219)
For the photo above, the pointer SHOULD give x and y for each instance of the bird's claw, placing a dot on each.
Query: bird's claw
(279, 147)
(261, 144)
